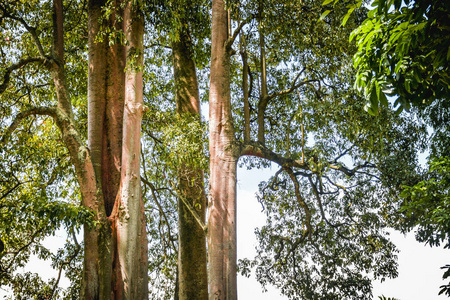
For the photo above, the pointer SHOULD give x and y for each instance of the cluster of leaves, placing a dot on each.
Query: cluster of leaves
(427, 204)
(403, 52)
(349, 217)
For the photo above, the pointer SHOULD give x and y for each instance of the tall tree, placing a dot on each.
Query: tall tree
(222, 187)
(299, 108)
(107, 170)
(192, 257)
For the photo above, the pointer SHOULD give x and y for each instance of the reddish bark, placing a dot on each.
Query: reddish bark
(129, 207)
(222, 198)
(115, 264)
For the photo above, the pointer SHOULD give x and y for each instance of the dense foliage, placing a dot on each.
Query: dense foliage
(403, 52)
(327, 207)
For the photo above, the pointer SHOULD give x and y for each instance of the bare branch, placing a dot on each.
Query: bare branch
(153, 189)
(346, 151)
(258, 150)
(293, 87)
(231, 39)
(351, 172)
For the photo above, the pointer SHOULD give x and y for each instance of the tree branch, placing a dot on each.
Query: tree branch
(153, 189)
(192, 211)
(351, 172)
(258, 150)
(300, 200)
(10, 191)
(231, 39)
(16, 253)
(290, 90)
(13, 67)
(45, 111)
(64, 263)
(30, 29)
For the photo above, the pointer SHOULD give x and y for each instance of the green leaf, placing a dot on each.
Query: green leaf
(408, 85)
(347, 15)
(327, 2)
(374, 99)
(383, 99)
(325, 13)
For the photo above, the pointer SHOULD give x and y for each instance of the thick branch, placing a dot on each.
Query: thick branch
(46, 111)
(300, 200)
(58, 31)
(258, 150)
(245, 90)
(10, 69)
(262, 55)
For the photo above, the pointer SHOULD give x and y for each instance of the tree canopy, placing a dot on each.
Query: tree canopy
(279, 86)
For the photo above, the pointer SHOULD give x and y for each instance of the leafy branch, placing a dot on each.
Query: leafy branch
(16, 66)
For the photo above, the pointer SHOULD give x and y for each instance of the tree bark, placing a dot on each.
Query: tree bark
(245, 91)
(262, 104)
(115, 263)
(192, 259)
(222, 198)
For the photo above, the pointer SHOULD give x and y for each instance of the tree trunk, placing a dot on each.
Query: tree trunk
(115, 263)
(222, 199)
(262, 104)
(192, 268)
(129, 208)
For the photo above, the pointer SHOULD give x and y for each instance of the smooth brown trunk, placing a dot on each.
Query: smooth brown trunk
(129, 208)
(109, 272)
(113, 115)
(192, 260)
(222, 198)
(98, 258)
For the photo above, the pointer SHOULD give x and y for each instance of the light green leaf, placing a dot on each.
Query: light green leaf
(325, 13)
(347, 15)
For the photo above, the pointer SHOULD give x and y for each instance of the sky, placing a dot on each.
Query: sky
(419, 265)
